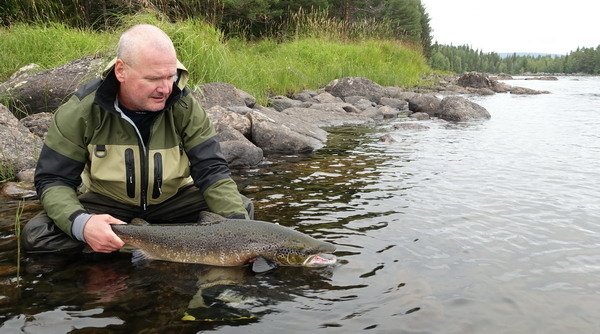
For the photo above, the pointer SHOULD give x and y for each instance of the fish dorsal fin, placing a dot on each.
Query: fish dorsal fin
(209, 217)
(262, 265)
(139, 222)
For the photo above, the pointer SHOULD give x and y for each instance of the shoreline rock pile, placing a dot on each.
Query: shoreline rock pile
(248, 132)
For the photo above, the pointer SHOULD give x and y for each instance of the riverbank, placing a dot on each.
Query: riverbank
(247, 130)
(261, 68)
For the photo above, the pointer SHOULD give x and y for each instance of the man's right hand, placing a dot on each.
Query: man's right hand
(100, 236)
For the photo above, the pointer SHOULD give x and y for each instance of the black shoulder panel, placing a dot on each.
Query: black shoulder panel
(88, 88)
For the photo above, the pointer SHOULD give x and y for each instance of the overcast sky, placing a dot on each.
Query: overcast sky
(556, 27)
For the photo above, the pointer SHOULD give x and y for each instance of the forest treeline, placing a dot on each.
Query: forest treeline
(460, 59)
(406, 21)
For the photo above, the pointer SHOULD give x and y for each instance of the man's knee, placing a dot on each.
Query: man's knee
(41, 235)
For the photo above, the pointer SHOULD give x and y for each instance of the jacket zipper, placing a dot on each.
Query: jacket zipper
(158, 171)
(130, 172)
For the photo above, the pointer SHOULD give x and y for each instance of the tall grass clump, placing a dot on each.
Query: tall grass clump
(319, 50)
(320, 24)
(48, 45)
(267, 67)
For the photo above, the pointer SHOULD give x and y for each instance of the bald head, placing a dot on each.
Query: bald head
(142, 40)
(146, 68)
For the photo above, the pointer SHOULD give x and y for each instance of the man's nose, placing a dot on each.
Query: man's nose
(165, 86)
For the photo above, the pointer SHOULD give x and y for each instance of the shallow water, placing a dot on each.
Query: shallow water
(487, 227)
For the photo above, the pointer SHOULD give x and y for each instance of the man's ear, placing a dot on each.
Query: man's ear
(120, 70)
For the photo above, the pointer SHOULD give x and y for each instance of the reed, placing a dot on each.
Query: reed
(18, 214)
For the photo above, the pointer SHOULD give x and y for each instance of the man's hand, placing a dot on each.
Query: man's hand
(100, 236)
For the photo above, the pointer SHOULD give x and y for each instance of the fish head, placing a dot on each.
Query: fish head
(302, 255)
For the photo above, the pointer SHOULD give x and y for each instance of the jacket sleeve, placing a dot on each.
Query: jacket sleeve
(208, 166)
(59, 167)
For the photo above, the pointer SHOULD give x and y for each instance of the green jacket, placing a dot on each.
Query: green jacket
(89, 141)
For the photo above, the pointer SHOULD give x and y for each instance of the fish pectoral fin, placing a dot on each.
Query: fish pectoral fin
(139, 222)
(209, 217)
(139, 257)
(262, 265)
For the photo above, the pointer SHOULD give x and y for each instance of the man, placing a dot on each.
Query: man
(141, 145)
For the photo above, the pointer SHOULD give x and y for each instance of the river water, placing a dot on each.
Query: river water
(484, 227)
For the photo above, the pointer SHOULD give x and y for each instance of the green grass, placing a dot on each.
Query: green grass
(306, 60)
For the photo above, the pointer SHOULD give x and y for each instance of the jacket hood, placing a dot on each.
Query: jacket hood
(181, 71)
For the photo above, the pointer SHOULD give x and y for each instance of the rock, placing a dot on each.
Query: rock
(350, 86)
(327, 98)
(398, 93)
(38, 123)
(275, 132)
(394, 103)
(420, 116)
(26, 175)
(45, 91)
(360, 102)
(238, 150)
(501, 76)
(222, 94)
(19, 190)
(241, 153)
(329, 114)
(474, 80)
(547, 78)
(242, 110)
(224, 117)
(19, 148)
(527, 91)
(387, 139)
(459, 109)
(410, 126)
(305, 96)
(373, 113)
(389, 112)
(340, 107)
(280, 103)
(424, 103)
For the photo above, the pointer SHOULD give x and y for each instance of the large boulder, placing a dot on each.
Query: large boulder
(459, 109)
(31, 93)
(276, 132)
(222, 94)
(329, 114)
(236, 148)
(221, 116)
(233, 130)
(474, 80)
(355, 86)
(426, 103)
(19, 148)
(38, 123)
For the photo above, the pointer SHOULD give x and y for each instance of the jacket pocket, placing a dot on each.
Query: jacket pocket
(130, 172)
(158, 176)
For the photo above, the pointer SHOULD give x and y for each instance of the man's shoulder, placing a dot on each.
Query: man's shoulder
(88, 88)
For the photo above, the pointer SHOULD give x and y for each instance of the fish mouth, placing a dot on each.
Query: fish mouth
(320, 260)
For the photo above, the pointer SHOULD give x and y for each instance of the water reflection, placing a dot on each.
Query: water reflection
(482, 227)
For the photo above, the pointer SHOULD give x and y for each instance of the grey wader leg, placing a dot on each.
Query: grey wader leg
(41, 235)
